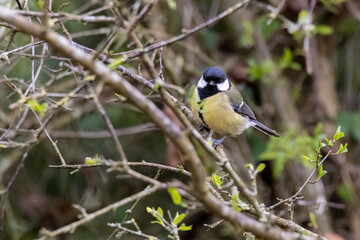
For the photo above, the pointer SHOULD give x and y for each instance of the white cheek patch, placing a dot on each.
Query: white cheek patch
(224, 86)
(201, 83)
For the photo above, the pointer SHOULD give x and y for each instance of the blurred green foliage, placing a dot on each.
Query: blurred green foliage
(292, 145)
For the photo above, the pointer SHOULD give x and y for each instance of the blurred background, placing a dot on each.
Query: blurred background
(296, 64)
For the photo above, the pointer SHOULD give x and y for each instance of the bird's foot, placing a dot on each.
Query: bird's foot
(218, 141)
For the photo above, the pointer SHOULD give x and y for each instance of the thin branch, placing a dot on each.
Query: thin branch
(5, 192)
(50, 139)
(293, 197)
(108, 163)
(72, 226)
(63, 16)
(146, 127)
(227, 12)
(136, 233)
(114, 136)
(19, 167)
(23, 48)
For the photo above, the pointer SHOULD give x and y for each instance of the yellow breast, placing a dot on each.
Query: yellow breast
(219, 116)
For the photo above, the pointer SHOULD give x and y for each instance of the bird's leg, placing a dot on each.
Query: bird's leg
(219, 141)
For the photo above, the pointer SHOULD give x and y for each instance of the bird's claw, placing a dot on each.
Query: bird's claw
(218, 141)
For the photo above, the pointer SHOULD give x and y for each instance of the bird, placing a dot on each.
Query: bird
(218, 105)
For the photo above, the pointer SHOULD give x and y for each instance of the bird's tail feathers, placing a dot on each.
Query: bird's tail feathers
(262, 128)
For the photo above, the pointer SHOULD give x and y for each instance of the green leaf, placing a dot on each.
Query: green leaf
(329, 142)
(178, 218)
(156, 214)
(34, 105)
(160, 211)
(303, 16)
(249, 166)
(150, 210)
(183, 227)
(116, 63)
(338, 134)
(175, 196)
(216, 180)
(286, 61)
(324, 29)
(306, 158)
(321, 172)
(321, 144)
(158, 222)
(156, 87)
(313, 220)
(91, 161)
(260, 167)
(234, 201)
(342, 149)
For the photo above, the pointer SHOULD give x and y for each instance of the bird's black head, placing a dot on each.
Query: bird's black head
(213, 81)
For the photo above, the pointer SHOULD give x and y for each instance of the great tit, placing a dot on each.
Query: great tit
(218, 105)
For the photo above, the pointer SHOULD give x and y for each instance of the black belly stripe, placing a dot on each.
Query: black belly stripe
(202, 119)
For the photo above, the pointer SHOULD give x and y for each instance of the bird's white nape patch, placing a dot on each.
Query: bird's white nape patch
(224, 86)
(201, 83)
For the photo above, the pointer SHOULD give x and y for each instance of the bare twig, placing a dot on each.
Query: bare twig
(63, 16)
(227, 12)
(5, 191)
(114, 136)
(293, 197)
(112, 164)
(136, 233)
(105, 134)
(72, 226)
(50, 139)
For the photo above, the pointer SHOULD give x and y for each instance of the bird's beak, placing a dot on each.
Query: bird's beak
(212, 83)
